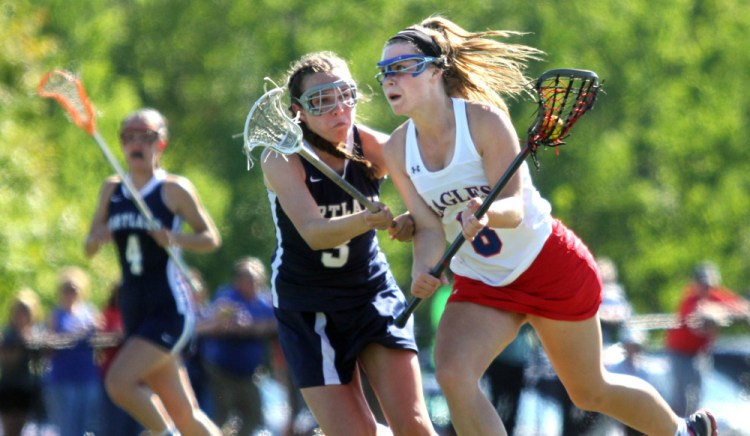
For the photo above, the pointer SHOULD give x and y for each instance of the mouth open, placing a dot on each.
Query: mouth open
(393, 97)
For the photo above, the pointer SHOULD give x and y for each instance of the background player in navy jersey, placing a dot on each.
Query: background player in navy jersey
(334, 295)
(155, 302)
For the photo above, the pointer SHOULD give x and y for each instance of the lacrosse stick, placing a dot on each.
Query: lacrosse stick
(563, 96)
(68, 91)
(268, 125)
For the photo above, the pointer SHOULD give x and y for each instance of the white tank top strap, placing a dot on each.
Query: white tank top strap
(465, 149)
(412, 157)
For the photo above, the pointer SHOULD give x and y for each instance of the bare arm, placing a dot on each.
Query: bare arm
(99, 233)
(182, 199)
(497, 142)
(285, 176)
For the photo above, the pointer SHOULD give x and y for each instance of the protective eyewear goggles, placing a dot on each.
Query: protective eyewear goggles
(413, 64)
(139, 136)
(325, 98)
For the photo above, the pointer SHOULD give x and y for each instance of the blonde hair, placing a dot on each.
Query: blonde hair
(73, 275)
(476, 67)
(29, 300)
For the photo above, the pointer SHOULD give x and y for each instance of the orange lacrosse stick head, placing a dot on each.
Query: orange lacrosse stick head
(68, 91)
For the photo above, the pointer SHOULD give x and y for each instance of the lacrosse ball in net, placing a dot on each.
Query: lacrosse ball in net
(552, 127)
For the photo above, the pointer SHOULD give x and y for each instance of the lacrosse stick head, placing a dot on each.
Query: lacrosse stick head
(268, 125)
(564, 95)
(67, 89)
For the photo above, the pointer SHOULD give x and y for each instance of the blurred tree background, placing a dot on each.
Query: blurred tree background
(656, 177)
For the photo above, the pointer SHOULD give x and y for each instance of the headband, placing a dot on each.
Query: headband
(423, 41)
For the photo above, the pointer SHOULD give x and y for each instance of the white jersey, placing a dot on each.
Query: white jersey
(496, 256)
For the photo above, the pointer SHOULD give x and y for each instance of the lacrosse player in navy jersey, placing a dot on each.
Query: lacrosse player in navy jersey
(333, 292)
(147, 378)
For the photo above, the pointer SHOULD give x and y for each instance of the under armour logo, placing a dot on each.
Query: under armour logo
(415, 169)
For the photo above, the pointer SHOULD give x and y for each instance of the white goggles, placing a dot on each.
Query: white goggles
(325, 98)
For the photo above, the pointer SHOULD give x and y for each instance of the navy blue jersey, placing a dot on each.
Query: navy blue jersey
(155, 299)
(333, 279)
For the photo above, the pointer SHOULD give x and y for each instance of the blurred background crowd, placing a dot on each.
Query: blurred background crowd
(53, 359)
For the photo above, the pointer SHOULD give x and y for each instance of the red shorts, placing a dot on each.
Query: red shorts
(562, 283)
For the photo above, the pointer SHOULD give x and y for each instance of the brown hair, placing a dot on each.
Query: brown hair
(474, 66)
(311, 63)
(149, 117)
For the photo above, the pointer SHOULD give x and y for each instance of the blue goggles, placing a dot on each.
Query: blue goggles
(325, 98)
(413, 64)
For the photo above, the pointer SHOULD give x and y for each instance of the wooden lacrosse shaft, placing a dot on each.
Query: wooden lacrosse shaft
(403, 317)
(311, 157)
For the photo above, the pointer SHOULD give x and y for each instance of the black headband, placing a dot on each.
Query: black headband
(424, 42)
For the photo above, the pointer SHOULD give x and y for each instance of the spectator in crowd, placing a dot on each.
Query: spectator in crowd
(615, 309)
(115, 420)
(706, 306)
(71, 387)
(633, 342)
(236, 345)
(20, 385)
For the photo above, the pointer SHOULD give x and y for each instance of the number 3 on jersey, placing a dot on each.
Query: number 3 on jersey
(134, 255)
(487, 242)
(337, 257)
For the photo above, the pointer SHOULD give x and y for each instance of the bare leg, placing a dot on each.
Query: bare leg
(341, 410)
(396, 380)
(172, 384)
(153, 387)
(574, 348)
(469, 338)
(123, 383)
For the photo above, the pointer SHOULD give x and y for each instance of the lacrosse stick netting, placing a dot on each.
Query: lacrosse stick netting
(563, 96)
(268, 125)
(68, 91)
